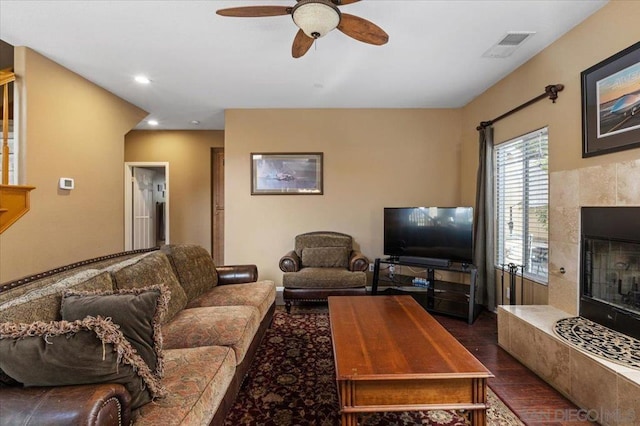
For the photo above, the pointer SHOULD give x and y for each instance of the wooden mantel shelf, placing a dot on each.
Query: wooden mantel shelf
(14, 203)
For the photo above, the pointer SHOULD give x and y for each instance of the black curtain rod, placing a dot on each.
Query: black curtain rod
(550, 92)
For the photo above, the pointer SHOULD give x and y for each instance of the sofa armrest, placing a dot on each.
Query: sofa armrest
(237, 274)
(290, 262)
(358, 261)
(100, 404)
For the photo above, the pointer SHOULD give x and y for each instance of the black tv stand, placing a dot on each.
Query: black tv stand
(449, 297)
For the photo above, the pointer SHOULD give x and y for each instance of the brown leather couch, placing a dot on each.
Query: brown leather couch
(237, 288)
(322, 264)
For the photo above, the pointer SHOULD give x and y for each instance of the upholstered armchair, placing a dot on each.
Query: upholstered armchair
(322, 264)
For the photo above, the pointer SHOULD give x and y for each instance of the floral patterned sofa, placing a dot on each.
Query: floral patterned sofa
(156, 337)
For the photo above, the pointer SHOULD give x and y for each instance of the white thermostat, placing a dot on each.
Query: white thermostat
(66, 183)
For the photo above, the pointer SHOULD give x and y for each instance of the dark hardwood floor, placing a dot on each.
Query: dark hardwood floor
(531, 398)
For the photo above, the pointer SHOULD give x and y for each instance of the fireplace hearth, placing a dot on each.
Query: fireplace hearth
(610, 267)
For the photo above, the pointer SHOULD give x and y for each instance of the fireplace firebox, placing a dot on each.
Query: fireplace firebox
(610, 267)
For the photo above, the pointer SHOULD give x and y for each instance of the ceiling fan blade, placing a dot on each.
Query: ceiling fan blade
(362, 30)
(343, 2)
(301, 44)
(254, 11)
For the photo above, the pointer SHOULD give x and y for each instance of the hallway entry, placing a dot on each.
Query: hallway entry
(146, 205)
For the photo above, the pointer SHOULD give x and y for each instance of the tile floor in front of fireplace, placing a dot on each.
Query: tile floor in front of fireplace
(534, 401)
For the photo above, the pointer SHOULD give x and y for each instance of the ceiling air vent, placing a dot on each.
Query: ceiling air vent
(509, 43)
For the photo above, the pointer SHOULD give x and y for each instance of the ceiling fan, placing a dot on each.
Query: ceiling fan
(316, 18)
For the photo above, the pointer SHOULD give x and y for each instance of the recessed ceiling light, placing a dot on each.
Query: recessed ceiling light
(142, 79)
(195, 122)
(153, 122)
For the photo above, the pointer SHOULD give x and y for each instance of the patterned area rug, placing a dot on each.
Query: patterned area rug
(292, 382)
(599, 340)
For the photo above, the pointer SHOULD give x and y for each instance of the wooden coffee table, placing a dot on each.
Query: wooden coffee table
(391, 355)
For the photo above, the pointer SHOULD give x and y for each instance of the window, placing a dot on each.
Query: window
(522, 204)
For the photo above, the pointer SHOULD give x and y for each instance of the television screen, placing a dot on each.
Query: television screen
(429, 232)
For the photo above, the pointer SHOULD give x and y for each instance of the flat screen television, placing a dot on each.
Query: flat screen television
(440, 233)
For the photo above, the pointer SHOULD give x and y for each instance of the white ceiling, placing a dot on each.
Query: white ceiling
(201, 63)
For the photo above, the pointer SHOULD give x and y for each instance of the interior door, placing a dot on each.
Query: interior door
(217, 207)
(143, 222)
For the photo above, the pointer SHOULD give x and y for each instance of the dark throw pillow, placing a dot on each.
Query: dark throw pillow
(138, 312)
(62, 353)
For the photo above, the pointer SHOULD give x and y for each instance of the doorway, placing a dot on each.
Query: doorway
(146, 206)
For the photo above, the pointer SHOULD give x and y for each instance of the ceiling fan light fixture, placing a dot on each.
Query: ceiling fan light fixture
(316, 17)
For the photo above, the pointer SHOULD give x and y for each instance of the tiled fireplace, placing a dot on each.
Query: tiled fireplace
(607, 392)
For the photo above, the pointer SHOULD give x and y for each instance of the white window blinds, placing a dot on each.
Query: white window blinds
(522, 204)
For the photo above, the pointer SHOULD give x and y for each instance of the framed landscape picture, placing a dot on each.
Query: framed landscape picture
(286, 173)
(611, 104)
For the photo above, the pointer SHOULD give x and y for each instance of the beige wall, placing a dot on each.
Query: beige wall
(372, 159)
(73, 129)
(605, 33)
(189, 156)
